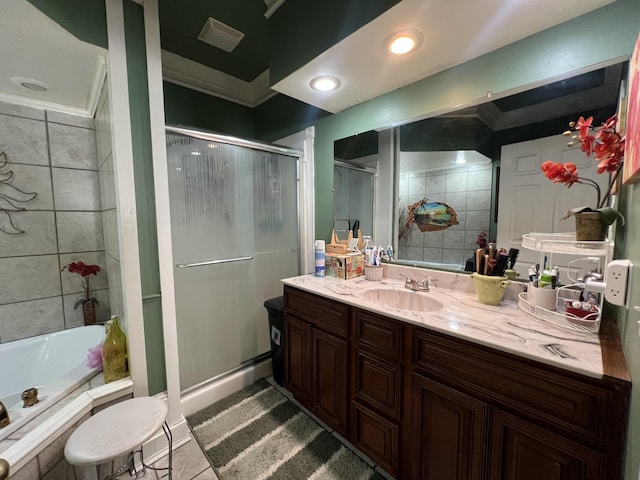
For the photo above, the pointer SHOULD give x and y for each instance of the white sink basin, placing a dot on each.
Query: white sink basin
(404, 299)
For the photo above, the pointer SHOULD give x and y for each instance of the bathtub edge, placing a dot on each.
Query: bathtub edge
(44, 434)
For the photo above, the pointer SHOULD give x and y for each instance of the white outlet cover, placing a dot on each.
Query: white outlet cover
(617, 282)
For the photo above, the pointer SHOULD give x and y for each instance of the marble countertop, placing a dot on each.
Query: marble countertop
(504, 327)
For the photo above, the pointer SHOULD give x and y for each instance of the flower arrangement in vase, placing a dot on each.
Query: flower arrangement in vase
(88, 302)
(606, 145)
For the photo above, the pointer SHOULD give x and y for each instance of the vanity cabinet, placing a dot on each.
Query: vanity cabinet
(528, 418)
(316, 356)
(376, 388)
(431, 406)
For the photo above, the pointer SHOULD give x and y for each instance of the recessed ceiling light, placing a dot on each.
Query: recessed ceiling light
(29, 83)
(325, 83)
(402, 42)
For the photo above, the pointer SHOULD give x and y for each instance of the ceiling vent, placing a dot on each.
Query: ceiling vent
(220, 35)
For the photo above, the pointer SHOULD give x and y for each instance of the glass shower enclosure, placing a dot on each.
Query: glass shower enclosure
(234, 228)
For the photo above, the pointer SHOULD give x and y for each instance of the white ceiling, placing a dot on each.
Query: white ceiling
(34, 46)
(454, 32)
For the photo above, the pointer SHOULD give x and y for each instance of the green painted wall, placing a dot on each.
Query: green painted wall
(628, 246)
(85, 19)
(602, 35)
(190, 108)
(145, 196)
(281, 116)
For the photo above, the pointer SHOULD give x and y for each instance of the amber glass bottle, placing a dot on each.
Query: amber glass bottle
(115, 363)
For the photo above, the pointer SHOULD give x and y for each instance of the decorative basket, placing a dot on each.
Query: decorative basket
(373, 273)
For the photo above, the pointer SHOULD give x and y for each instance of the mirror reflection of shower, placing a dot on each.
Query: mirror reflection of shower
(353, 198)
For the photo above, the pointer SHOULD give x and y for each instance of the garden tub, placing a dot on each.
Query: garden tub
(54, 363)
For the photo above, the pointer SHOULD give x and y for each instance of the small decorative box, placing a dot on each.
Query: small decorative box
(349, 265)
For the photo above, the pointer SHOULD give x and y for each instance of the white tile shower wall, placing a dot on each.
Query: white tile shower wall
(55, 155)
(468, 191)
(109, 217)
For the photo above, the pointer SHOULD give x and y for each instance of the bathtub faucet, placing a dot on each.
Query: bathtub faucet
(30, 397)
(4, 416)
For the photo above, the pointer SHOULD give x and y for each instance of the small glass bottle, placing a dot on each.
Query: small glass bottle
(115, 364)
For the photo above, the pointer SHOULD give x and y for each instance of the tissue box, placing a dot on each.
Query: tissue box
(349, 265)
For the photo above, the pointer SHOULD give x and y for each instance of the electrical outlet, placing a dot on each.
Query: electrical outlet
(617, 281)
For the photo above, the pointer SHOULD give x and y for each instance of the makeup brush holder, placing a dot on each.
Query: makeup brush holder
(490, 289)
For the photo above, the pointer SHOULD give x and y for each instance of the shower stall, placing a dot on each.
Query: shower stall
(353, 196)
(235, 234)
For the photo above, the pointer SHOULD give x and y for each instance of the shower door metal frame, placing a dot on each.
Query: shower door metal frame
(254, 145)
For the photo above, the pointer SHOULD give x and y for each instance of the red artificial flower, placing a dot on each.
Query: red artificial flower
(607, 147)
(82, 269)
(560, 173)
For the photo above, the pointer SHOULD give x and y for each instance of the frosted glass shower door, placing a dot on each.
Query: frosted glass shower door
(235, 235)
(353, 196)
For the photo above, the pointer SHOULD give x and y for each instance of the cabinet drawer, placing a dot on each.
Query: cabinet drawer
(378, 383)
(325, 314)
(378, 335)
(561, 400)
(377, 437)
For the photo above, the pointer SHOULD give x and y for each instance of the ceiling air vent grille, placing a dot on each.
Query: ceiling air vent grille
(220, 35)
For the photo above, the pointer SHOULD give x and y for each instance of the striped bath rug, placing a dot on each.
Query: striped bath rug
(258, 434)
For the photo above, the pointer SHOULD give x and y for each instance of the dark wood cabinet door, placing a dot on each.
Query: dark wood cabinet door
(448, 432)
(521, 451)
(298, 358)
(378, 383)
(376, 436)
(329, 377)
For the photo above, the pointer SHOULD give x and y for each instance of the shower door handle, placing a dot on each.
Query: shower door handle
(213, 262)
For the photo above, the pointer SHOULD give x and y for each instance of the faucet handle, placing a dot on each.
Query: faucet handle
(408, 280)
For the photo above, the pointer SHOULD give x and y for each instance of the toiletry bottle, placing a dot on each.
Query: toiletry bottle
(320, 258)
(115, 364)
(368, 251)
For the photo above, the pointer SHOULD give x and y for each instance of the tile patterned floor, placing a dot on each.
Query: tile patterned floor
(190, 462)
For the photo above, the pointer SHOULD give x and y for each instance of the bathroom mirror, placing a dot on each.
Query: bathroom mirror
(429, 158)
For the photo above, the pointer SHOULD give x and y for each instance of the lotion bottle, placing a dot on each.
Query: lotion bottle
(320, 257)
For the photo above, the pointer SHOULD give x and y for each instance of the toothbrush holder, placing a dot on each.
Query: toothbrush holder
(373, 273)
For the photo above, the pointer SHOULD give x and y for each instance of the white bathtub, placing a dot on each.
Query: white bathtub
(55, 363)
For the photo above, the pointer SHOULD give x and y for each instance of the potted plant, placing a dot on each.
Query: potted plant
(88, 302)
(606, 145)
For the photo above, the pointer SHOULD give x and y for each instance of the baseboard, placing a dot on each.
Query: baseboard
(208, 394)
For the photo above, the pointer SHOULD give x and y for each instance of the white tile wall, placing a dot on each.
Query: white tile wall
(23, 140)
(62, 224)
(80, 231)
(72, 147)
(30, 318)
(75, 189)
(468, 191)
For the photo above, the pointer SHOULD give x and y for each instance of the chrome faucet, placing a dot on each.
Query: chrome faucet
(416, 285)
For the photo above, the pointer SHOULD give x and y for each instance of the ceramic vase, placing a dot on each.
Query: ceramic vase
(89, 312)
(590, 227)
(489, 288)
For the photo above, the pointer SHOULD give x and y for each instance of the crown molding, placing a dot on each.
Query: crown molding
(195, 76)
(88, 110)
